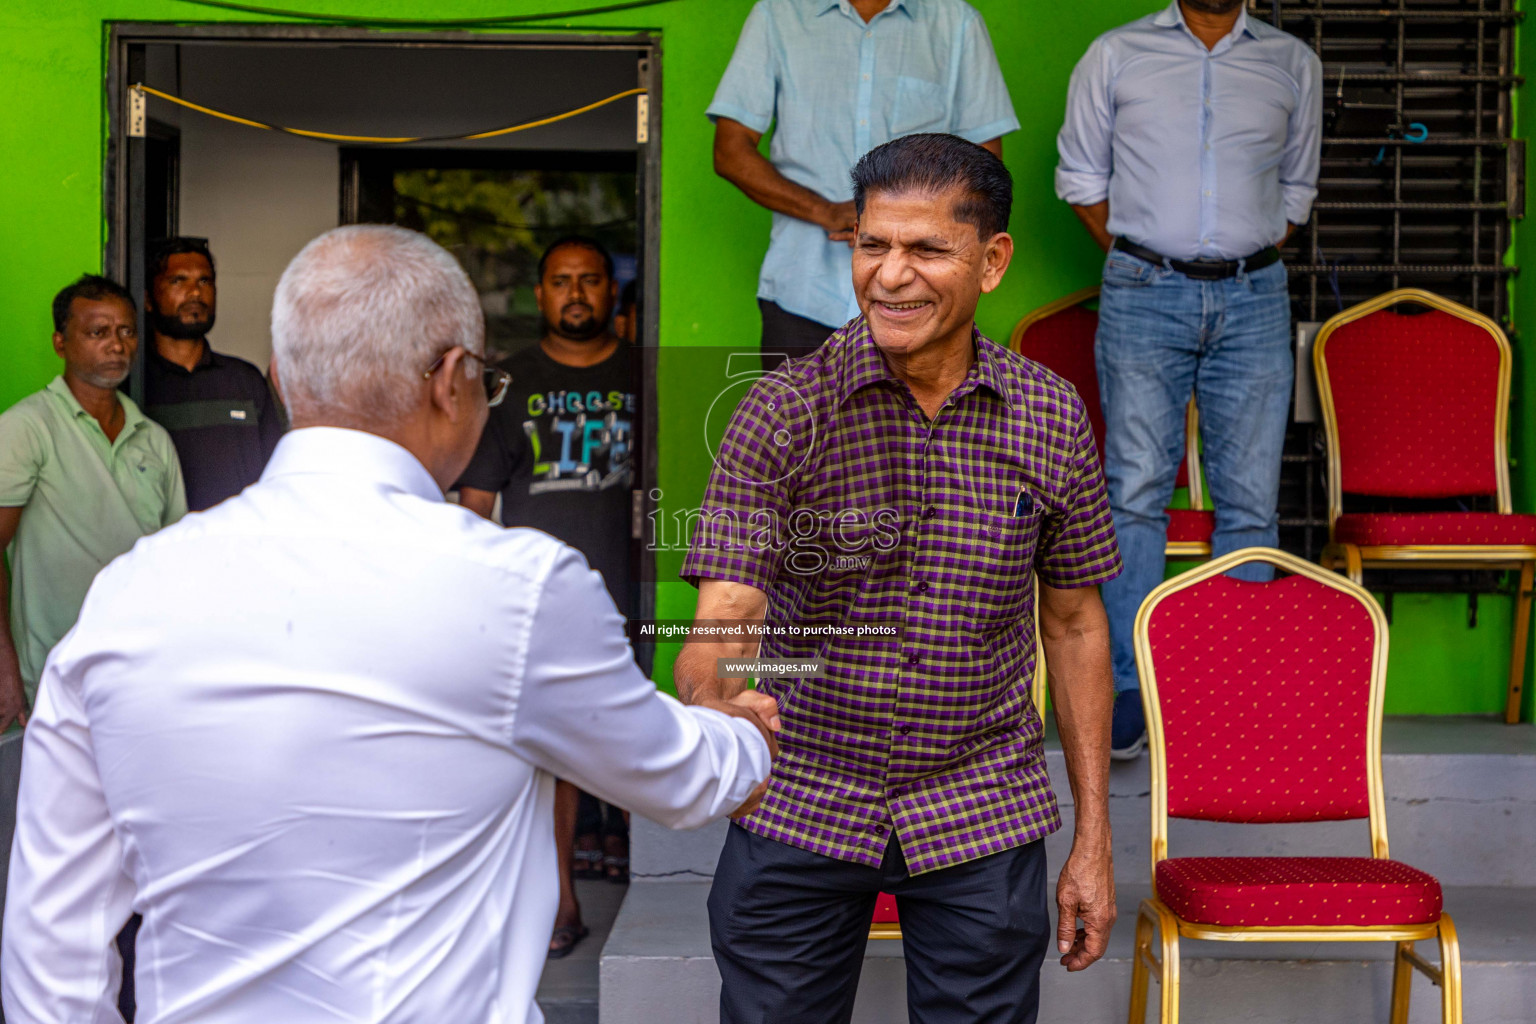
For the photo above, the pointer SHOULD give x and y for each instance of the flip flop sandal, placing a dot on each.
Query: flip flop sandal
(565, 939)
(587, 864)
(616, 869)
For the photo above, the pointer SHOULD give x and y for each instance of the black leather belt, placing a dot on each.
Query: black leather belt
(1203, 270)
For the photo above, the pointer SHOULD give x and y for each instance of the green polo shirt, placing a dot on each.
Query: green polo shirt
(86, 500)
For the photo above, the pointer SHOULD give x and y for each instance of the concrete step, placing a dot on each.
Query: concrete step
(568, 987)
(657, 966)
(1461, 804)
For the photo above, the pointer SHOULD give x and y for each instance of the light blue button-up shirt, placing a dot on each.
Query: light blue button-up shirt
(837, 88)
(1201, 153)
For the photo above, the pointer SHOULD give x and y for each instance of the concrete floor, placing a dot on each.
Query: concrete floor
(658, 967)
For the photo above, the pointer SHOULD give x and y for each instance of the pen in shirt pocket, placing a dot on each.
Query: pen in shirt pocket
(1024, 504)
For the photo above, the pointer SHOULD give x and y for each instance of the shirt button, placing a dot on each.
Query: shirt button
(1207, 191)
(866, 78)
(879, 830)
(862, 121)
(906, 730)
(913, 659)
(930, 512)
(921, 587)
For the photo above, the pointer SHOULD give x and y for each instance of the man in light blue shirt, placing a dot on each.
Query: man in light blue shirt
(838, 78)
(1190, 151)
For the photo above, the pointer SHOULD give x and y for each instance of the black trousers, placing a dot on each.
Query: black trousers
(596, 818)
(787, 335)
(789, 927)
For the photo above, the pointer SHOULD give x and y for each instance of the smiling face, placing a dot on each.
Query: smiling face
(918, 272)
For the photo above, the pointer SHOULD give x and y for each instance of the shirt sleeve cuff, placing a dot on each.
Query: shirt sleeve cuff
(704, 567)
(1080, 579)
(1081, 188)
(1298, 202)
(987, 132)
(757, 122)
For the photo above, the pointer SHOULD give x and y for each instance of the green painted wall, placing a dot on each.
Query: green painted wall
(52, 118)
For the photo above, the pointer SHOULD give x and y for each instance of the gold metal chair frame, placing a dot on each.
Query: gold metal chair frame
(1354, 559)
(1156, 915)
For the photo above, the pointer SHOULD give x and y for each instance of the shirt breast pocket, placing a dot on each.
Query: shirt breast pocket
(1004, 552)
(919, 107)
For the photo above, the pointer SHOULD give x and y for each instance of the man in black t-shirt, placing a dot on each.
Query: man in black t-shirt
(559, 452)
(218, 409)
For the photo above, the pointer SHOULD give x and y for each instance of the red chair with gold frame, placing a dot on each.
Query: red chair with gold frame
(1059, 336)
(1264, 705)
(1417, 407)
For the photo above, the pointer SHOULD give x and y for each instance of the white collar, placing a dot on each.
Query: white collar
(338, 451)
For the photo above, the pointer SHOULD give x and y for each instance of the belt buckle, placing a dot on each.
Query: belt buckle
(1209, 270)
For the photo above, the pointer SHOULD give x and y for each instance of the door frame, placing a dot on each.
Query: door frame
(123, 176)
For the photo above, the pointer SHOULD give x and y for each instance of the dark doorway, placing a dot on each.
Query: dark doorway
(497, 211)
(162, 180)
(258, 196)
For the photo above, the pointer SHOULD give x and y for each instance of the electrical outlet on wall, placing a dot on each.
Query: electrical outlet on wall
(1304, 408)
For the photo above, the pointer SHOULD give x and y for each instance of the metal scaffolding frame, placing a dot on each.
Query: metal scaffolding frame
(1420, 179)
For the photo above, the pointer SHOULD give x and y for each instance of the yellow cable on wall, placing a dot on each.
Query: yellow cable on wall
(381, 139)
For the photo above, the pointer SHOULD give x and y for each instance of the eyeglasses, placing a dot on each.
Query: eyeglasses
(496, 381)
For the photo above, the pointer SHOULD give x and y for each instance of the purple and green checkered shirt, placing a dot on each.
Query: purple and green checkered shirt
(834, 494)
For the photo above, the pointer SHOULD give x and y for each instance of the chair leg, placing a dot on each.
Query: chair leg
(1038, 686)
(1353, 566)
(1141, 953)
(1450, 972)
(1402, 983)
(1168, 961)
(1518, 647)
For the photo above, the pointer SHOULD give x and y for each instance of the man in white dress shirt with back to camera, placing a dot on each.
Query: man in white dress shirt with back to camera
(329, 791)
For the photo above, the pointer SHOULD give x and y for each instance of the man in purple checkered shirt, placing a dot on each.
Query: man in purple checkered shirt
(887, 505)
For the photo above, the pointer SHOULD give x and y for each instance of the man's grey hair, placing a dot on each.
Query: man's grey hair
(360, 314)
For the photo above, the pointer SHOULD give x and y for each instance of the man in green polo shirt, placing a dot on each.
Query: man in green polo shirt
(83, 475)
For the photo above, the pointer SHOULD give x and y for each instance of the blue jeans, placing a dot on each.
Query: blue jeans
(1163, 336)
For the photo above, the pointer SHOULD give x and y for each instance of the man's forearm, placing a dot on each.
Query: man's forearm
(743, 166)
(1096, 219)
(10, 662)
(1083, 695)
(694, 671)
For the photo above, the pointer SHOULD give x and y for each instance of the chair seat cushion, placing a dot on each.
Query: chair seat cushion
(1390, 528)
(1186, 525)
(1297, 891)
(885, 910)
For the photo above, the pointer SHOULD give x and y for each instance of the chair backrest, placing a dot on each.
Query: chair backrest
(1263, 699)
(1059, 336)
(1414, 405)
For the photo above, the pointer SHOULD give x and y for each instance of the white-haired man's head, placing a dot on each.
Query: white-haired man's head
(359, 317)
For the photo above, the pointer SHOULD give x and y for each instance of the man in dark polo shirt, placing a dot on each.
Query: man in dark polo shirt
(922, 479)
(559, 452)
(218, 409)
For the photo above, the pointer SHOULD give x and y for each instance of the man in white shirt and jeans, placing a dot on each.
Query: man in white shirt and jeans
(329, 790)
